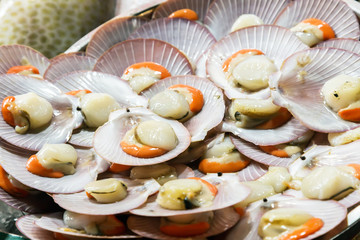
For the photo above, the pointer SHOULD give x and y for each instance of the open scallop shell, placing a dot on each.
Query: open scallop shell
(336, 13)
(65, 118)
(288, 132)
(190, 37)
(112, 32)
(255, 153)
(150, 227)
(230, 192)
(252, 172)
(352, 45)
(108, 137)
(222, 14)
(198, 6)
(277, 43)
(330, 212)
(26, 226)
(212, 112)
(124, 54)
(66, 63)
(303, 98)
(88, 165)
(138, 193)
(33, 203)
(54, 223)
(12, 55)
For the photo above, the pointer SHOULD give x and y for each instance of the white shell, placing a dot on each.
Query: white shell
(13, 160)
(277, 43)
(65, 118)
(108, 137)
(252, 172)
(212, 112)
(308, 106)
(138, 192)
(12, 55)
(336, 13)
(349, 44)
(150, 227)
(230, 192)
(188, 36)
(26, 226)
(112, 32)
(66, 63)
(223, 13)
(124, 54)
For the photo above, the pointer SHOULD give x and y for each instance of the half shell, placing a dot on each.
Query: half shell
(222, 14)
(352, 45)
(65, 117)
(127, 53)
(297, 86)
(108, 137)
(277, 43)
(88, 165)
(188, 36)
(336, 13)
(150, 227)
(211, 113)
(112, 32)
(230, 192)
(26, 226)
(252, 172)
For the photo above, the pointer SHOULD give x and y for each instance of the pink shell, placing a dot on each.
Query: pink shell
(26, 226)
(309, 107)
(138, 193)
(252, 172)
(230, 192)
(223, 13)
(352, 45)
(112, 32)
(66, 63)
(336, 13)
(201, 123)
(12, 55)
(108, 137)
(150, 227)
(277, 43)
(124, 54)
(188, 36)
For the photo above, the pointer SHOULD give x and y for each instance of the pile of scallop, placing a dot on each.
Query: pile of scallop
(228, 119)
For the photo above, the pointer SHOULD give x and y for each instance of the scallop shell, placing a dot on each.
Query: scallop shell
(150, 227)
(320, 65)
(230, 192)
(352, 45)
(66, 63)
(198, 6)
(336, 13)
(255, 153)
(188, 36)
(222, 14)
(13, 160)
(252, 172)
(138, 193)
(26, 226)
(277, 43)
(201, 123)
(201, 65)
(330, 212)
(54, 222)
(108, 137)
(64, 120)
(12, 55)
(354, 5)
(33, 203)
(112, 32)
(288, 132)
(124, 54)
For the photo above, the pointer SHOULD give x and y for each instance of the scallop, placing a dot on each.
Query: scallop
(64, 117)
(200, 123)
(222, 14)
(306, 72)
(111, 33)
(275, 42)
(349, 44)
(108, 137)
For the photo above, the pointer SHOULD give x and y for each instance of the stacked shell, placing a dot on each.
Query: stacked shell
(179, 126)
